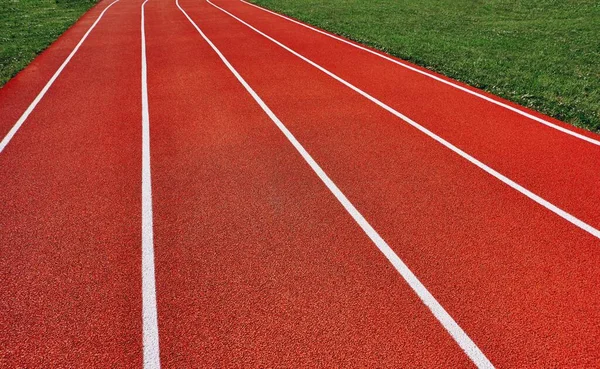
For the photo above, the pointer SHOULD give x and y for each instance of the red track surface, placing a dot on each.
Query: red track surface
(257, 263)
(69, 233)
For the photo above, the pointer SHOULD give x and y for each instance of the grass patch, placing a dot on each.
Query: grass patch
(30, 26)
(543, 54)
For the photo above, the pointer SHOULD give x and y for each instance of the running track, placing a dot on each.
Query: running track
(195, 184)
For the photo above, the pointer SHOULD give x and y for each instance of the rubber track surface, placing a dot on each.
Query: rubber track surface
(281, 271)
(497, 261)
(560, 168)
(257, 263)
(70, 222)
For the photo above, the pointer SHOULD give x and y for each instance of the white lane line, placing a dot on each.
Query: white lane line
(149, 310)
(39, 97)
(563, 214)
(474, 93)
(457, 333)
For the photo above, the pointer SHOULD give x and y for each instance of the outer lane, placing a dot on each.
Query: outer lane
(21, 90)
(70, 215)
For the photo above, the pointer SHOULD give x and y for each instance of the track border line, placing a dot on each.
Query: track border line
(149, 309)
(433, 76)
(536, 198)
(41, 94)
(457, 333)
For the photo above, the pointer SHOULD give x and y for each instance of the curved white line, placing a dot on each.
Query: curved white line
(457, 333)
(39, 97)
(548, 205)
(474, 93)
(149, 309)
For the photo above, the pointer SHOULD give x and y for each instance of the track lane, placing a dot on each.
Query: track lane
(508, 273)
(560, 168)
(257, 263)
(70, 214)
(18, 93)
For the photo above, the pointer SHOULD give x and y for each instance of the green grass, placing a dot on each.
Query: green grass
(543, 54)
(27, 27)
